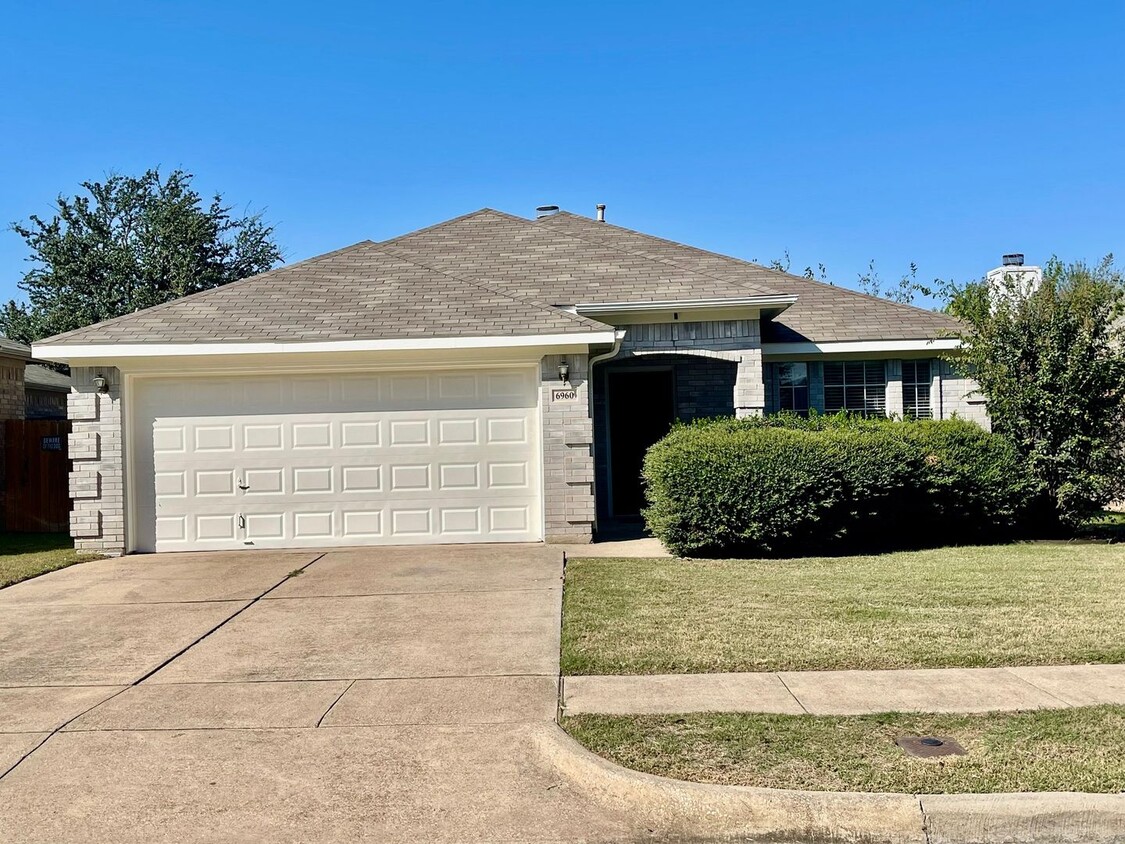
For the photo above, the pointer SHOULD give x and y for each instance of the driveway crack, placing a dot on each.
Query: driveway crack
(164, 664)
(226, 621)
(320, 720)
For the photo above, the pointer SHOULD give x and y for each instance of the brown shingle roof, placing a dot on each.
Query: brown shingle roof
(823, 312)
(490, 273)
(357, 293)
(539, 261)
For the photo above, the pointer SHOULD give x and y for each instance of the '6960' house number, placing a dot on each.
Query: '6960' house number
(564, 394)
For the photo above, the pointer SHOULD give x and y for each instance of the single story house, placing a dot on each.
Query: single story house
(487, 379)
(29, 390)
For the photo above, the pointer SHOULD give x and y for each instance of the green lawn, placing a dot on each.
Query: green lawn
(1056, 750)
(1027, 604)
(24, 555)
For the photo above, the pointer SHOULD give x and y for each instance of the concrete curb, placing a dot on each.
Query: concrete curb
(686, 811)
(1034, 817)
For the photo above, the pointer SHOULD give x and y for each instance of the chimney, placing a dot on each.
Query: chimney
(546, 211)
(1012, 278)
(601, 212)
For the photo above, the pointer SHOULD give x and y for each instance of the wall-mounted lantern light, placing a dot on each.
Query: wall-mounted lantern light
(564, 372)
(100, 384)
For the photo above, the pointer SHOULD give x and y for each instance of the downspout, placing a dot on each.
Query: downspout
(618, 336)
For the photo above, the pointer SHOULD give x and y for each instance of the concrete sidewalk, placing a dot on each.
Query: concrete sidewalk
(849, 692)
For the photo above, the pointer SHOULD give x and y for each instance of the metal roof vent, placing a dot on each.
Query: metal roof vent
(546, 211)
(600, 208)
(1013, 260)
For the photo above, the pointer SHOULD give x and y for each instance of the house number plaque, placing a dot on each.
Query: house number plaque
(565, 394)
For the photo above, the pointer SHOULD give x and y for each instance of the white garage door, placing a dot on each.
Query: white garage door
(343, 459)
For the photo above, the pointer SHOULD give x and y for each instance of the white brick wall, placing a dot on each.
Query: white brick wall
(568, 460)
(96, 447)
(894, 394)
(749, 386)
(953, 394)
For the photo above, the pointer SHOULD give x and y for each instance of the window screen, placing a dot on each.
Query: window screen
(793, 387)
(916, 379)
(855, 386)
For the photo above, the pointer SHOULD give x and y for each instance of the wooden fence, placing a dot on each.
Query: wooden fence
(36, 483)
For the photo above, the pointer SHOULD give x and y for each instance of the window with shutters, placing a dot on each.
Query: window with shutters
(793, 387)
(917, 375)
(855, 386)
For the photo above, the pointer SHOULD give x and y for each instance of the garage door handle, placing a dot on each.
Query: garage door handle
(243, 486)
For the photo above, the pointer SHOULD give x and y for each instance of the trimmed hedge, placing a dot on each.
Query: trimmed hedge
(787, 485)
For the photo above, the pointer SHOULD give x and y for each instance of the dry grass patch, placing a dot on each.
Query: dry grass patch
(1028, 604)
(1056, 750)
(27, 555)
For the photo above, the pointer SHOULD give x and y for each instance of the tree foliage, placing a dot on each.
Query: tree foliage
(130, 243)
(1051, 366)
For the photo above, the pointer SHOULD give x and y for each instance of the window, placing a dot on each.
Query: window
(916, 379)
(793, 386)
(855, 386)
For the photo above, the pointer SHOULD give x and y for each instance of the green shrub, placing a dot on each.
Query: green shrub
(787, 485)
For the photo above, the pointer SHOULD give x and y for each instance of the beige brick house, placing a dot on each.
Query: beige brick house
(487, 379)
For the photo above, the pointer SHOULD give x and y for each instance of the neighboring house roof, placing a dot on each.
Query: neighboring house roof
(822, 313)
(490, 274)
(38, 377)
(10, 348)
(358, 293)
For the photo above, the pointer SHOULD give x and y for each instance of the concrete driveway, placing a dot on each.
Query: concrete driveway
(362, 694)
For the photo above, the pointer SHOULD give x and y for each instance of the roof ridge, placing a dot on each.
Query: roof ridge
(621, 249)
(544, 306)
(798, 278)
(456, 219)
(518, 219)
(204, 293)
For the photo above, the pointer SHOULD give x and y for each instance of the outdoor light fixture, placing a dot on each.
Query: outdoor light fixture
(564, 372)
(100, 384)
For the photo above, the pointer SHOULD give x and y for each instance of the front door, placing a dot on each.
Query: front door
(641, 410)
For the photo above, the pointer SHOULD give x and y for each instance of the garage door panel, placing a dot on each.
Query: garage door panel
(429, 457)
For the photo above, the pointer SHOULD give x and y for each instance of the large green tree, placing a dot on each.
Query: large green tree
(129, 243)
(1050, 362)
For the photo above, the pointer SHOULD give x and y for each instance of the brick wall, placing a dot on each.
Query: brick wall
(12, 406)
(97, 479)
(895, 406)
(953, 394)
(568, 461)
(12, 401)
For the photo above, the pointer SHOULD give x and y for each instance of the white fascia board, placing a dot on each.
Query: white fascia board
(66, 351)
(683, 304)
(943, 344)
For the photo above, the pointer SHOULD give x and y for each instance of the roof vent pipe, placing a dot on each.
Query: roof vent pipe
(601, 212)
(546, 211)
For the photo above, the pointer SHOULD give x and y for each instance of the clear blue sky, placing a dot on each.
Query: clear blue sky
(941, 133)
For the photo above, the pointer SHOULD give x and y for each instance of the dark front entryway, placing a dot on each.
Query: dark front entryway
(641, 410)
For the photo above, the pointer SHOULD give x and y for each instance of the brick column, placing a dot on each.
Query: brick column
(96, 447)
(895, 407)
(568, 456)
(749, 385)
